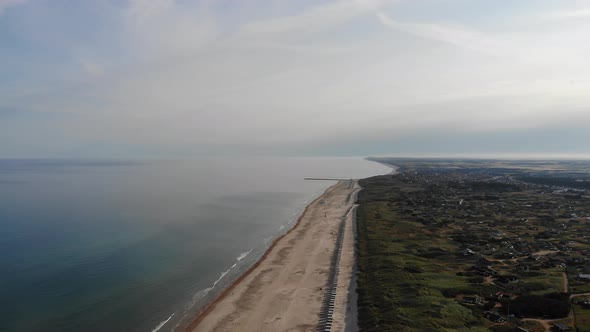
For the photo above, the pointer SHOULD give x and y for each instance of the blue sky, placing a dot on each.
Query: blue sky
(165, 78)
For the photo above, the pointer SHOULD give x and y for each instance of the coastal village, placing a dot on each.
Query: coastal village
(503, 253)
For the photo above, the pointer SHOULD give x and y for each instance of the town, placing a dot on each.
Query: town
(475, 245)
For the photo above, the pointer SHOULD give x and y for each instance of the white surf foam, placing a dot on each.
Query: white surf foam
(162, 323)
(203, 292)
(243, 255)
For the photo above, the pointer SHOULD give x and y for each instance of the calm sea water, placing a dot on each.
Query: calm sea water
(141, 245)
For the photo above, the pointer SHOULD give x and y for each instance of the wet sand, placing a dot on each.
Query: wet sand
(285, 289)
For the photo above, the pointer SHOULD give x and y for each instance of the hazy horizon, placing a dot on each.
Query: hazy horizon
(177, 79)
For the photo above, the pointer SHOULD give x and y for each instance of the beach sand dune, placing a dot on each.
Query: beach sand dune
(284, 291)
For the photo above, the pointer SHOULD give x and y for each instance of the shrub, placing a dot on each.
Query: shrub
(553, 305)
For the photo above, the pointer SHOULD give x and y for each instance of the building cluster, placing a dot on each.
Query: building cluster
(515, 235)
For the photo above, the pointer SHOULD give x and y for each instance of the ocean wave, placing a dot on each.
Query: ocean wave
(162, 323)
(203, 292)
(223, 274)
(243, 255)
(200, 294)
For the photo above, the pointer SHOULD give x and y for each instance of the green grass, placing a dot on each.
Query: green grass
(580, 289)
(398, 289)
(582, 318)
(553, 280)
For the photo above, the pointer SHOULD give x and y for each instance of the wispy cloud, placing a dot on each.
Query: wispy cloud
(141, 10)
(91, 67)
(4, 4)
(208, 74)
(314, 19)
(559, 15)
(467, 38)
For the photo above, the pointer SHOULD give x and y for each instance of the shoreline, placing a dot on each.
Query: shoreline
(208, 308)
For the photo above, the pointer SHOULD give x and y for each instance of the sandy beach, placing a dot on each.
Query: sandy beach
(285, 289)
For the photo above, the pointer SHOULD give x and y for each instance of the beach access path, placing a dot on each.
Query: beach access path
(285, 290)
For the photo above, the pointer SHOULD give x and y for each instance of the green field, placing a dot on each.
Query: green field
(401, 280)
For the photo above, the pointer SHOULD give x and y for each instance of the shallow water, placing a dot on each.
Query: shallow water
(138, 245)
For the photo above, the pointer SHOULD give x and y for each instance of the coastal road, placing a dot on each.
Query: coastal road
(345, 313)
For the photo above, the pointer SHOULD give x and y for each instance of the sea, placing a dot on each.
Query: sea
(143, 245)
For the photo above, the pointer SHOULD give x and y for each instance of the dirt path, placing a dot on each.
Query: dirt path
(580, 294)
(546, 323)
(345, 312)
(513, 260)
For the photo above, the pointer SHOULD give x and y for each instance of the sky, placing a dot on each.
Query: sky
(179, 78)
